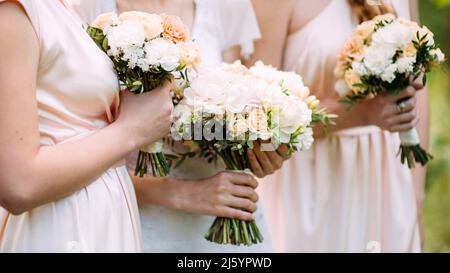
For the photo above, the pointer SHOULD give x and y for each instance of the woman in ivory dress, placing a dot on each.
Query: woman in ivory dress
(349, 193)
(64, 186)
(173, 210)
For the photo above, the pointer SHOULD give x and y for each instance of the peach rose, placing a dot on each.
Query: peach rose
(352, 78)
(410, 51)
(339, 70)
(365, 30)
(174, 29)
(354, 49)
(190, 54)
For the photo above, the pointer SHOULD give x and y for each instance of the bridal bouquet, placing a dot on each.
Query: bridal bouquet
(384, 55)
(227, 108)
(147, 50)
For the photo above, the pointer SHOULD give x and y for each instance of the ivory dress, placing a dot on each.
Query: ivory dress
(218, 25)
(77, 95)
(349, 193)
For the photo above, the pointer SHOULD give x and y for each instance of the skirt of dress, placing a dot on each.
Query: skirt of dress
(349, 193)
(102, 217)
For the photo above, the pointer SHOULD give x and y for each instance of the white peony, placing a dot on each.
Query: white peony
(440, 57)
(429, 35)
(360, 68)
(389, 73)
(294, 84)
(208, 90)
(125, 35)
(162, 52)
(405, 64)
(378, 58)
(394, 35)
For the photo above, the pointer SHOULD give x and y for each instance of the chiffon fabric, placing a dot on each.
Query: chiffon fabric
(77, 95)
(349, 193)
(218, 25)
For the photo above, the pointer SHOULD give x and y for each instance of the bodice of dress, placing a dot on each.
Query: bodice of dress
(77, 91)
(312, 51)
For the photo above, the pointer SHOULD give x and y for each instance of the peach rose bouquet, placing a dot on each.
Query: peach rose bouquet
(226, 109)
(147, 50)
(385, 55)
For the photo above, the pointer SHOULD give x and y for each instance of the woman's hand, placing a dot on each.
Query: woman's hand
(393, 113)
(384, 111)
(227, 194)
(147, 117)
(266, 163)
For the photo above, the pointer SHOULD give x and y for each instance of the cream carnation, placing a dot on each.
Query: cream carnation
(152, 23)
(106, 20)
(162, 52)
(125, 35)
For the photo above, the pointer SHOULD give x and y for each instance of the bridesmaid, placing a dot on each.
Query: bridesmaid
(350, 193)
(63, 184)
(175, 211)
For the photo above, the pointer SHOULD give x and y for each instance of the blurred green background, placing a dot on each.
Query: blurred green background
(436, 15)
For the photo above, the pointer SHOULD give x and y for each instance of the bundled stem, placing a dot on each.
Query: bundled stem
(413, 154)
(156, 162)
(227, 231)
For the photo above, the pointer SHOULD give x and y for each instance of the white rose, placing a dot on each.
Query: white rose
(123, 36)
(405, 64)
(105, 21)
(162, 52)
(258, 124)
(342, 88)
(152, 23)
(293, 113)
(237, 125)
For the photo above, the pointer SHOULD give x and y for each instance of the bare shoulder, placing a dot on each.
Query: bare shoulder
(22, 42)
(304, 11)
(12, 11)
(274, 8)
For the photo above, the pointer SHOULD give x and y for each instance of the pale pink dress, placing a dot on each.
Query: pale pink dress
(349, 193)
(77, 95)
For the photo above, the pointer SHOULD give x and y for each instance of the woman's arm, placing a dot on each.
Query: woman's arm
(274, 19)
(229, 195)
(32, 175)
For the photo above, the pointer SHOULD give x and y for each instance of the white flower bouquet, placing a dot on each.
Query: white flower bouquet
(146, 50)
(385, 55)
(226, 109)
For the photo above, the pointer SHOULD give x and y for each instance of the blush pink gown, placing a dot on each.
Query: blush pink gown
(77, 95)
(349, 193)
